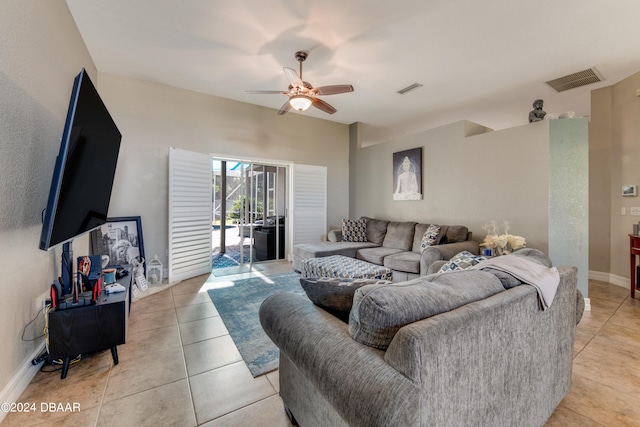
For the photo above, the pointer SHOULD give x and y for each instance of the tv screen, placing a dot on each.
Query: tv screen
(84, 170)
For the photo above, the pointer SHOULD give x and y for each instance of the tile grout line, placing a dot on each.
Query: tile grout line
(612, 314)
(592, 338)
(104, 393)
(184, 362)
(222, 278)
(240, 276)
(603, 325)
(244, 407)
(580, 415)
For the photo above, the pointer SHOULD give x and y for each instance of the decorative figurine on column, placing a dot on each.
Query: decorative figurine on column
(537, 114)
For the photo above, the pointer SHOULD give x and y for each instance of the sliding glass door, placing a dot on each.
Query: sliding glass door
(237, 210)
(249, 212)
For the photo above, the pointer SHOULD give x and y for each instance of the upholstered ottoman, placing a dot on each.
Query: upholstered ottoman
(343, 267)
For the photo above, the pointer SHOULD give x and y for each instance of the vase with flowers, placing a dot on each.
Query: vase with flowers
(500, 241)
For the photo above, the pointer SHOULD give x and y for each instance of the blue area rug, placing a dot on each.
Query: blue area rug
(230, 259)
(238, 306)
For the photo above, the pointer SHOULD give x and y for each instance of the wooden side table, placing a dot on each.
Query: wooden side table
(634, 251)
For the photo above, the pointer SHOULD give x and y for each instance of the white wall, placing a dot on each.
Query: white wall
(615, 155)
(602, 207)
(153, 117)
(41, 53)
(467, 179)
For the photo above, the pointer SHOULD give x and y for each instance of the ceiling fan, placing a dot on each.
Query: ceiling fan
(301, 94)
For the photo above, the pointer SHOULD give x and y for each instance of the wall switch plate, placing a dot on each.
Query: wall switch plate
(623, 211)
(635, 211)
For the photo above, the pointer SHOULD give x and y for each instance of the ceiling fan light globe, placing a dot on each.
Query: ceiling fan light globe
(300, 102)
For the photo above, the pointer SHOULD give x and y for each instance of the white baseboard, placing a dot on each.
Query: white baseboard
(608, 277)
(605, 277)
(12, 391)
(614, 279)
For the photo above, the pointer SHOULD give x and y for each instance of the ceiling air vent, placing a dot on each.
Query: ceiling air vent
(409, 88)
(581, 78)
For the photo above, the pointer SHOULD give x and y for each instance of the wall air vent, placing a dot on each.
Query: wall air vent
(581, 78)
(409, 88)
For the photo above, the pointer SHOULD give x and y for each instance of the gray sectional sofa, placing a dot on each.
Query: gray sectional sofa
(395, 245)
(488, 357)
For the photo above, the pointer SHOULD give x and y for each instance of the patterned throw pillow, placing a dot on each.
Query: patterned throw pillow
(354, 230)
(461, 261)
(430, 237)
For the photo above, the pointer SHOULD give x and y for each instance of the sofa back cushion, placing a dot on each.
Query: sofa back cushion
(419, 234)
(376, 229)
(379, 311)
(454, 233)
(399, 235)
(448, 234)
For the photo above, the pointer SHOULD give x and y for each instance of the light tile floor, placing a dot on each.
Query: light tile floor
(606, 364)
(179, 367)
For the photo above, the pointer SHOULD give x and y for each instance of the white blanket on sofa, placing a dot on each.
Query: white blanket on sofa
(544, 279)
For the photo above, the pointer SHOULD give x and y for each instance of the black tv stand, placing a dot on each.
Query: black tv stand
(91, 328)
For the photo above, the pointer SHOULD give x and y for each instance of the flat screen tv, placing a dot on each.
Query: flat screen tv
(84, 170)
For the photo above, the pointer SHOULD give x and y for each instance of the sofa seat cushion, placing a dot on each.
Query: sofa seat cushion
(408, 262)
(321, 249)
(379, 311)
(399, 235)
(376, 255)
(335, 295)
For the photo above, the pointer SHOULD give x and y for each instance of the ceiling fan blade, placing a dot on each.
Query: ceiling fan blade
(293, 77)
(334, 89)
(285, 107)
(266, 92)
(321, 105)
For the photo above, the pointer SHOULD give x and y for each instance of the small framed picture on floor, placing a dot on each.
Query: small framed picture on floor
(119, 238)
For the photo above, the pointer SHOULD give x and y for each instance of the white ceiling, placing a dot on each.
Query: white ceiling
(484, 61)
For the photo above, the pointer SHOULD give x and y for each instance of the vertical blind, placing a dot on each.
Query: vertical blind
(190, 213)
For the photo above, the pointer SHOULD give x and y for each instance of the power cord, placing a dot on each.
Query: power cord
(45, 334)
(24, 330)
(46, 326)
(57, 364)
